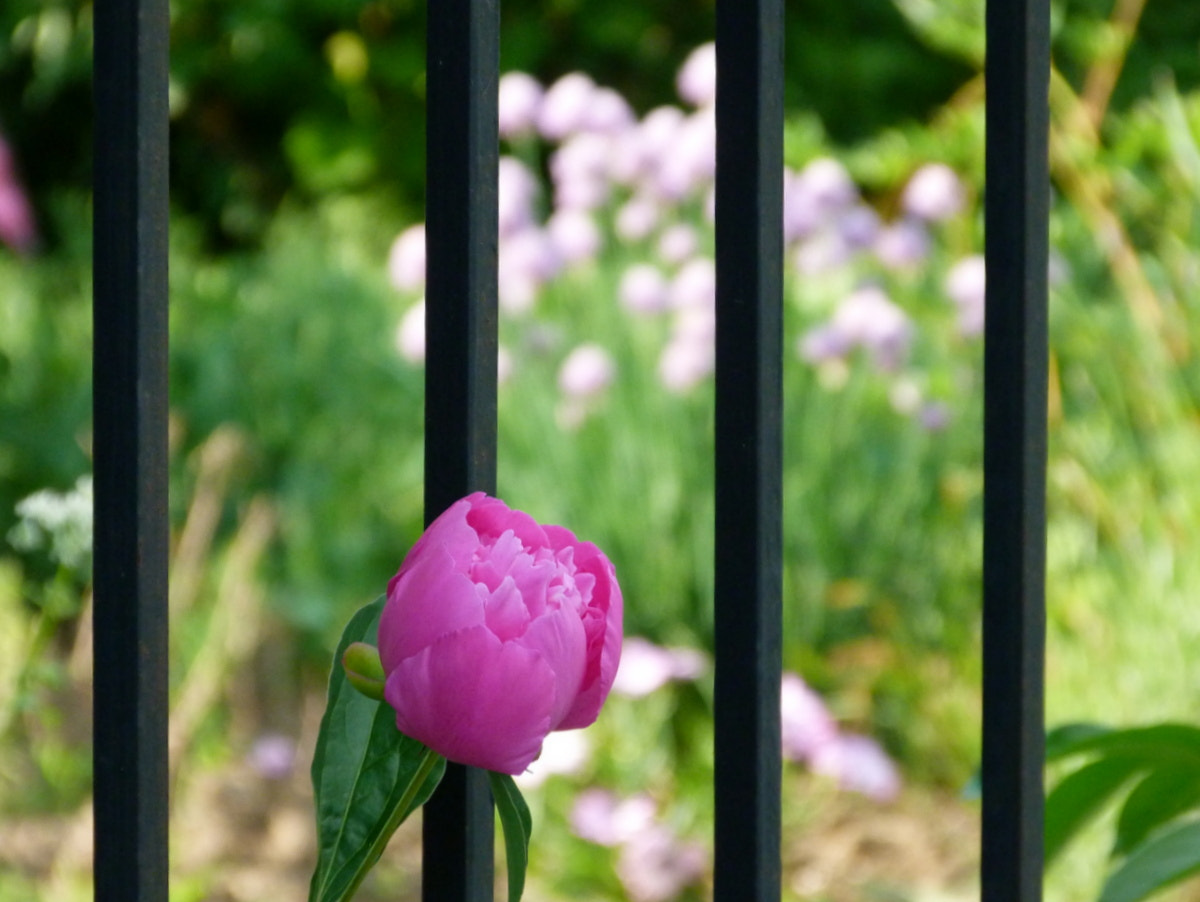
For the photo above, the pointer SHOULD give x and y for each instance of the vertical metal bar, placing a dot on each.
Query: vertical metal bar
(461, 223)
(749, 394)
(130, 449)
(1015, 374)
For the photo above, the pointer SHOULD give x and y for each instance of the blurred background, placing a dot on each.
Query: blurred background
(296, 395)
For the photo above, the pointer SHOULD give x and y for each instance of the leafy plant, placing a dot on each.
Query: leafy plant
(1157, 841)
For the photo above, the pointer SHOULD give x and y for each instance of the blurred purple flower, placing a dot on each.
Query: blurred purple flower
(600, 817)
(565, 106)
(574, 235)
(806, 723)
(869, 319)
(17, 227)
(637, 218)
(519, 100)
(653, 141)
(815, 195)
(934, 193)
(903, 244)
(858, 764)
(821, 252)
(646, 667)
(273, 756)
(822, 343)
(406, 259)
(677, 243)
(643, 289)
(528, 259)
(966, 284)
(691, 162)
(657, 865)
(934, 416)
(410, 336)
(608, 113)
(696, 81)
(859, 226)
(587, 371)
(695, 285)
(684, 363)
(517, 189)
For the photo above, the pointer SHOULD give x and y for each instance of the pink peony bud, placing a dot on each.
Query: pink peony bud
(497, 631)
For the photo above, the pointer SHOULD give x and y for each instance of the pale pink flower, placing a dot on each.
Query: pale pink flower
(934, 193)
(691, 162)
(643, 289)
(410, 336)
(646, 667)
(574, 235)
(697, 78)
(656, 865)
(902, 245)
(273, 756)
(868, 318)
(966, 284)
(406, 259)
(637, 218)
(678, 243)
(805, 722)
(685, 363)
(566, 106)
(695, 285)
(858, 764)
(519, 100)
(608, 113)
(588, 370)
(600, 817)
(517, 190)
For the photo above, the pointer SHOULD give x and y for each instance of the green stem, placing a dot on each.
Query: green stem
(429, 760)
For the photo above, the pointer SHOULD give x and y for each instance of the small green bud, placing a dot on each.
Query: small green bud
(364, 670)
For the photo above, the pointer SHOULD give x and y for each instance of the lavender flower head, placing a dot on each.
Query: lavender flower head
(696, 81)
(519, 101)
(934, 193)
(587, 371)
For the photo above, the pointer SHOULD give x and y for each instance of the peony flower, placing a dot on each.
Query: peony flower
(497, 631)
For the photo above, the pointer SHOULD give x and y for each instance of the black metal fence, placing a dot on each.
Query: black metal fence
(131, 527)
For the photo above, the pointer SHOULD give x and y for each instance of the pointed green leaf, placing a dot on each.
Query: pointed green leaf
(518, 825)
(367, 776)
(1063, 740)
(1162, 743)
(1165, 858)
(1165, 794)
(1080, 795)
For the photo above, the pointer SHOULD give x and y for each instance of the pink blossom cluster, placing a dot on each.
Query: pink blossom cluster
(812, 736)
(654, 863)
(17, 227)
(641, 190)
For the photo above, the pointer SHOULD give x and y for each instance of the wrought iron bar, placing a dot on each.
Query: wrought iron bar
(130, 450)
(1015, 385)
(461, 221)
(748, 451)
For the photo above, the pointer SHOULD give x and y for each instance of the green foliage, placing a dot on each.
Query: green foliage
(1157, 839)
(367, 776)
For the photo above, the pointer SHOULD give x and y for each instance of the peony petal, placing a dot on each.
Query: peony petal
(491, 517)
(475, 700)
(559, 638)
(504, 610)
(604, 644)
(429, 598)
(449, 531)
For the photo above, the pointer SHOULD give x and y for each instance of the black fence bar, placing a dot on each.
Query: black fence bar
(461, 222)
(749, 210)
(130, 450)
(1015, 374)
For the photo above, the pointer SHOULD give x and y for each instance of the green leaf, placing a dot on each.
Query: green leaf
(1164, 859)
(518, 825)
(367, 776)
(1080, 795)
(1159, 744)
(1166, 793)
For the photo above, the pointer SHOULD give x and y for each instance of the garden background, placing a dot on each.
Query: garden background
(296, 390)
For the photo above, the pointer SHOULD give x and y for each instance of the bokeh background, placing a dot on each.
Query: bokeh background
(296, 392)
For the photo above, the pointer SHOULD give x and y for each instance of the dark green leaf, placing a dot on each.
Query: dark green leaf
(1166, 793)
(1164, 859)
(518, 825)
(367, 776)
(1080, 795)
(1162, 743)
